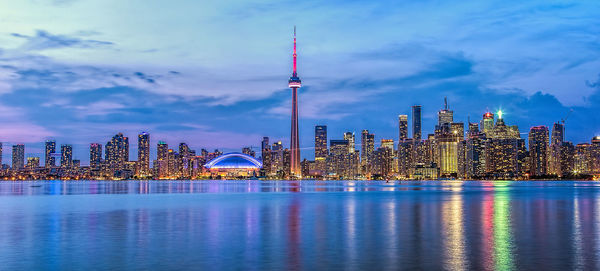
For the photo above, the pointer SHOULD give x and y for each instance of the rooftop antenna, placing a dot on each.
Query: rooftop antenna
(446, 103)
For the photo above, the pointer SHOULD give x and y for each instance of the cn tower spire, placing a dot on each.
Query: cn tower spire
(295, 55)
(294, 84)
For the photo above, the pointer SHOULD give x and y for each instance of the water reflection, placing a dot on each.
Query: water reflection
(299, 225)
(454, 239)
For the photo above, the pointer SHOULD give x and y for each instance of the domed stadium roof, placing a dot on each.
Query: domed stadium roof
(234, 160)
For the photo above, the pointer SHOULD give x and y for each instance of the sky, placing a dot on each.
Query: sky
(214, 74)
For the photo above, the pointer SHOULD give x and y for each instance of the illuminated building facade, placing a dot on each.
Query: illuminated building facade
(50, 149)
(266, 156)
(384, 161)
(117, 152)
(402, 127)
(367, 149)
(487, 123)
(249, 151)
(505, 151)
(337, 160)
(277, 157)
(18, 156)
(405, 151)
(416, 122)
(66, 156)
(321, 151)
(351, 141)
(445, 115)
(143, 154)
(584, 162)
(33, 162)
(475, 155)
(538, 150)
(162, 159)
(595, 153)
(95, 155)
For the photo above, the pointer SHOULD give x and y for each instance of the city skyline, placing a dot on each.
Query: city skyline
(405, 129)
(81, 81)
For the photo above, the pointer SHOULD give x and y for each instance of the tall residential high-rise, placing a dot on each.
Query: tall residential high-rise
(402, 127)
(294, 84)
(144, 153)
(117, 151)
(321, 151)
(556, 149)
(351, 141)
(475, 153)
(445, 115)
(367, 147)
(18, 156)
(266, 155)
(162, 159)
(66, 155)
(95, 155)
(416, 122)
(538, 150)
(277, 158)
(162, 150)
(558, 133)
(0, 155)
(49, 160)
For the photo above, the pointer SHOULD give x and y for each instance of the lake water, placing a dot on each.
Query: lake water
(285, 225)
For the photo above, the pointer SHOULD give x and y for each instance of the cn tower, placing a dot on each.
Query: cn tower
(294, 84)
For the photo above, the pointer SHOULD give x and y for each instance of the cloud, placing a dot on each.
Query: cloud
(595, 85)
(43, 40)
(15, 126)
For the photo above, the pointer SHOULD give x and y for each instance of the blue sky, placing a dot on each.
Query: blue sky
(214, 73)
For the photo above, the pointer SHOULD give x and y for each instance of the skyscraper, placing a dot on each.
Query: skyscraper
(340, 162)
(350, 137)
(402, 127)
(294, 84)
(95, 155)
(487, 123)
(505, 152)
(0, 155)
(66, 156)
(18, 156)
(162, 158)
(117, 152)
(266, 155)
(558, 133)
(144, 153)
(556, 149)
(367, 145)
(49, 160)
(321, 151)
(445, 115)
(416, 122)
(538, 150)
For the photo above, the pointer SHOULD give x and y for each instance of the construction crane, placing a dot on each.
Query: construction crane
(566, 117)
(562, 121)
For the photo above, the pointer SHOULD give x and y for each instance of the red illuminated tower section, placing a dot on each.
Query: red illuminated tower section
(294, 84)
